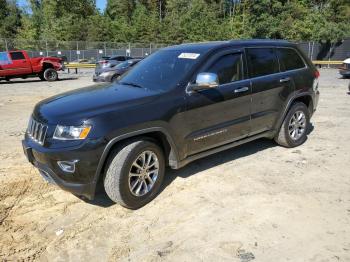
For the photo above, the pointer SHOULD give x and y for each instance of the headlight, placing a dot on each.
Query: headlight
(71, 132)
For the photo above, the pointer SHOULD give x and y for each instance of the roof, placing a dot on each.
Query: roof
(346, 61)
(203, 47)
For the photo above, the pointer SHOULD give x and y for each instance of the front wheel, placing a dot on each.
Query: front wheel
(135, 173)
(50, 74)
(41, 76)
(294, 128)
(114, 78)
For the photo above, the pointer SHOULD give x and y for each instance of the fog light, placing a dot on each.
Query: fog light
(67, 166)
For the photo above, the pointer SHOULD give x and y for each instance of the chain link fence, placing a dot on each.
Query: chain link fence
(91, 52)
(76, 51)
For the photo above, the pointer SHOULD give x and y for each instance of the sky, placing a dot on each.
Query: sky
(101, 4)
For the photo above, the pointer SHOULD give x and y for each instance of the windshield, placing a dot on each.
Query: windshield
(123, 65)
(162, 70)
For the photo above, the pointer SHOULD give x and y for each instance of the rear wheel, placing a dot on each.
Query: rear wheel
(50, 74)
(135, 173)
(294, 127)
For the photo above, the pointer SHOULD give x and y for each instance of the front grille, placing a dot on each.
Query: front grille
(37, 131)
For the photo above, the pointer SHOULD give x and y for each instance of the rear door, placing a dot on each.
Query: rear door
(270, 88)
(294, 68)
(218, 116)
(20, 65)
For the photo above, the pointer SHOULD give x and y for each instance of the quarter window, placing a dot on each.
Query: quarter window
(289, 59)
(17, 56)
(228, 68)
(262, 61)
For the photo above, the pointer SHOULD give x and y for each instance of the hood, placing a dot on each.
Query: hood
(74, 107)
(47, 58)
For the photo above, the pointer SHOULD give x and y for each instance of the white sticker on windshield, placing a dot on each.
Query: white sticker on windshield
(188, 55)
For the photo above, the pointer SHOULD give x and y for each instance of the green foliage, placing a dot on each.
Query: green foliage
(10, 19)
(175, 21)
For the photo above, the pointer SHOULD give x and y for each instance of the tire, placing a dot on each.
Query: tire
(122, 188)
(292, 135)
(41, 76)
(50, 74)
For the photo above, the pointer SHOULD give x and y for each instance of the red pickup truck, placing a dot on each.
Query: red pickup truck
(17, 64)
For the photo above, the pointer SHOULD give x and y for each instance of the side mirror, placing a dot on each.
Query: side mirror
(205, 81)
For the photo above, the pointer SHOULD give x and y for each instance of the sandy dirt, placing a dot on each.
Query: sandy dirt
(256, 202)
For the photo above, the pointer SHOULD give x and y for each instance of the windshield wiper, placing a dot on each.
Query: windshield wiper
(130, 84)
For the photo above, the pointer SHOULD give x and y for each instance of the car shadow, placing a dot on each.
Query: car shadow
(101, 199)
(4, 82)
(217, 159)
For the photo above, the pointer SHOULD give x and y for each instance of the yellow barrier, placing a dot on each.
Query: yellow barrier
(76, 66)
(324, 62)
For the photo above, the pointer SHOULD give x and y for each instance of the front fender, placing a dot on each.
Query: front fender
(173, 157)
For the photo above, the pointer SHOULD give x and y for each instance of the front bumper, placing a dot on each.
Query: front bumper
(344, 72)
(82, 182)
(103, 77)
(96, 78)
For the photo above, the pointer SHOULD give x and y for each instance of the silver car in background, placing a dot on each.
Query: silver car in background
(110, 74)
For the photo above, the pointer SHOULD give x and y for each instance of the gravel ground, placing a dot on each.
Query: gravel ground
(256, 202)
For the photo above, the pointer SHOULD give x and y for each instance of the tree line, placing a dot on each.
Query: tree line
(175, 21)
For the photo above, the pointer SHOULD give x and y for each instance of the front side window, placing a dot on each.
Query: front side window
(17, 56)
(228, 68)
(289, 59)
(262, 61)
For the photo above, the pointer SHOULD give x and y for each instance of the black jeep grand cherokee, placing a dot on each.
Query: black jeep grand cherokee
(181, 103)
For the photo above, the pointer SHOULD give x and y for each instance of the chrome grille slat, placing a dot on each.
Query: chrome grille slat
(37, 131)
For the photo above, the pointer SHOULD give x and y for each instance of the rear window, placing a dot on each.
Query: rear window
(118, 58)
(17, 56)
(262, 61)
(4, 58)
(289, 59)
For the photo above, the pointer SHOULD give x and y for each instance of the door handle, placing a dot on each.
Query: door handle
(242, 89)
(286, 79)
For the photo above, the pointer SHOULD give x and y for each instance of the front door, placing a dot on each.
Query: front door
(220, 115)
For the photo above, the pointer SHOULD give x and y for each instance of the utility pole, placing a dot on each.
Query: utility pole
(160, 10)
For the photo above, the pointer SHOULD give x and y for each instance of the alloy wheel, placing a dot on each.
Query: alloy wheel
(143, 173)
(297, 125)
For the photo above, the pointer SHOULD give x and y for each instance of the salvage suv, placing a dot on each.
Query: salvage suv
(179, 104)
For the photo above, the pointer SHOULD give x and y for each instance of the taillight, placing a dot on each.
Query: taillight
(317, 74)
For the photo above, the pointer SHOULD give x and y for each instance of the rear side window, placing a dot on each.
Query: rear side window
(17, 56)
(262, 61)
(228, 68)
(289, 59)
